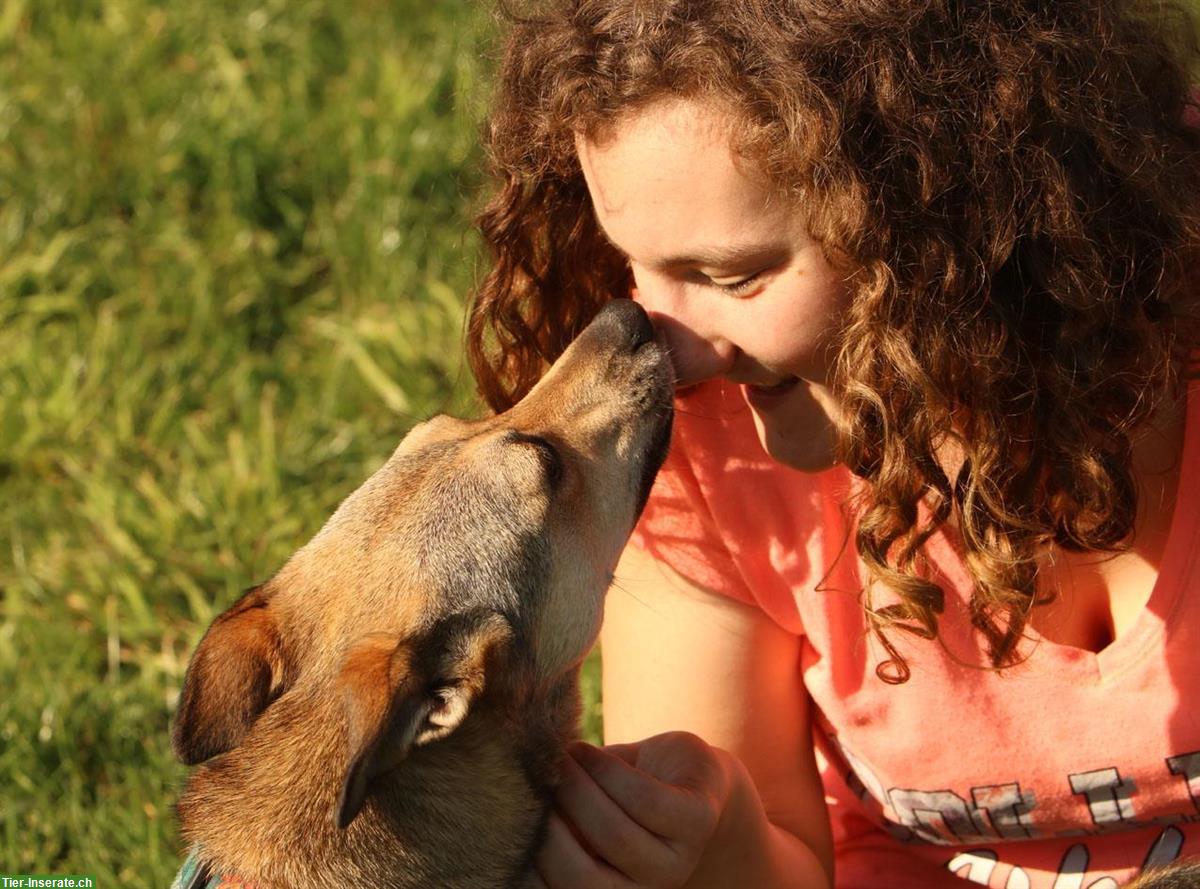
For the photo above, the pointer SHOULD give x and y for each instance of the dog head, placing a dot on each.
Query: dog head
(472, 564)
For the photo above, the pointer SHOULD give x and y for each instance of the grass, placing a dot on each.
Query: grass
(234, 245)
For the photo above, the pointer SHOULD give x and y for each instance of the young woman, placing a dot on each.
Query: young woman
(926, 271)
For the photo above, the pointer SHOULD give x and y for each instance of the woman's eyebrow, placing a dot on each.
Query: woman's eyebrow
(724, 255)
(715, 256)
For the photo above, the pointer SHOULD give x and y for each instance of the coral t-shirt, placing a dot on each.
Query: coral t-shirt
(1072, 770)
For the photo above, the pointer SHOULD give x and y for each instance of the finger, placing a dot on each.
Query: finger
(607, 829)
(677, 758)
(666, 810)
(535, 881)
(626, 752)
(563, 864)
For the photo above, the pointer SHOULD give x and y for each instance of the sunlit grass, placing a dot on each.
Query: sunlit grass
(234, 243)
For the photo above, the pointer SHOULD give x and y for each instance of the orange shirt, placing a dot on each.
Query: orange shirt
(1072, 770)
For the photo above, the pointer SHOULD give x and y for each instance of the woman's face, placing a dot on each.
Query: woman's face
(726, 269)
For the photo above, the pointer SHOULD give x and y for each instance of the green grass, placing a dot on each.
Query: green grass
(234, 245)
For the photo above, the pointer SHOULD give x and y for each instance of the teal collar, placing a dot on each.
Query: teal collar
(197, 874)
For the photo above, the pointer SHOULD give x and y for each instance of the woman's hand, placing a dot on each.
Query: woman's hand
(636, 815)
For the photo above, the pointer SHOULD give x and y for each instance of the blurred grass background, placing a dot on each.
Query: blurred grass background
(235, 242)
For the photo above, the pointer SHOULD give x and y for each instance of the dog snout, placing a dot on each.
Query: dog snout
(629, 320)
(613, 372)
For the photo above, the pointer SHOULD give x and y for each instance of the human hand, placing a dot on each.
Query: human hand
(629, 816)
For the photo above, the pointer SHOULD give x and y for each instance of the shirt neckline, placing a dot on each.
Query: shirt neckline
(1175, 566)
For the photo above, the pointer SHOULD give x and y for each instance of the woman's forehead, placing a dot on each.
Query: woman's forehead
(668, 178)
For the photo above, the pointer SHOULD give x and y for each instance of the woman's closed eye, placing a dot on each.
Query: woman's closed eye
(737, 287)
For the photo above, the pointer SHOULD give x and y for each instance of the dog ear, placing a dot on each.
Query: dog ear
(236, 671)
(403, 694)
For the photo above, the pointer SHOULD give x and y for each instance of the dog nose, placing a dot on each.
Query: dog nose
(630, 319)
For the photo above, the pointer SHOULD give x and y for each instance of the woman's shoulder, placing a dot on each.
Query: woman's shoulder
(726, 516)
(716, 444)
(713, 421)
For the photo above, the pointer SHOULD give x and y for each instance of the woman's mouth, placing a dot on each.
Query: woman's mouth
(774, 390)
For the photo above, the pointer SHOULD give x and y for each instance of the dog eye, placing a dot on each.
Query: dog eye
(551, 459)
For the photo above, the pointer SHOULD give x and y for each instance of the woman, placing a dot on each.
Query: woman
(925, 270)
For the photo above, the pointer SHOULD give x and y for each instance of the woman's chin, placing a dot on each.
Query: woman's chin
(815, 455)
(796, 428)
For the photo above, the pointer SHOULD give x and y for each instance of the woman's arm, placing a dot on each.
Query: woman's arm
(677, 657)
(709, 779)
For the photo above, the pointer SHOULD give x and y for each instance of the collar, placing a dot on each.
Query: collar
(198, 874)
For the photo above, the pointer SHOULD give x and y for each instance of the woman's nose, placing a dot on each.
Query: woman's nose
(699, 348)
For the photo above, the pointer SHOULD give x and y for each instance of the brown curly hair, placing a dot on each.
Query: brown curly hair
(1015, 182)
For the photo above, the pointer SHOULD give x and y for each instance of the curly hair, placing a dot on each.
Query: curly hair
(1017, 186)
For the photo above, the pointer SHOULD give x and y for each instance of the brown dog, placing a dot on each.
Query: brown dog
(391, 708)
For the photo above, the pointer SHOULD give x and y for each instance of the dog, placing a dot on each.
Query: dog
(392, 707)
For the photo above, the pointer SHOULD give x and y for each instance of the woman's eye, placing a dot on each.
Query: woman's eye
(738, 288)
